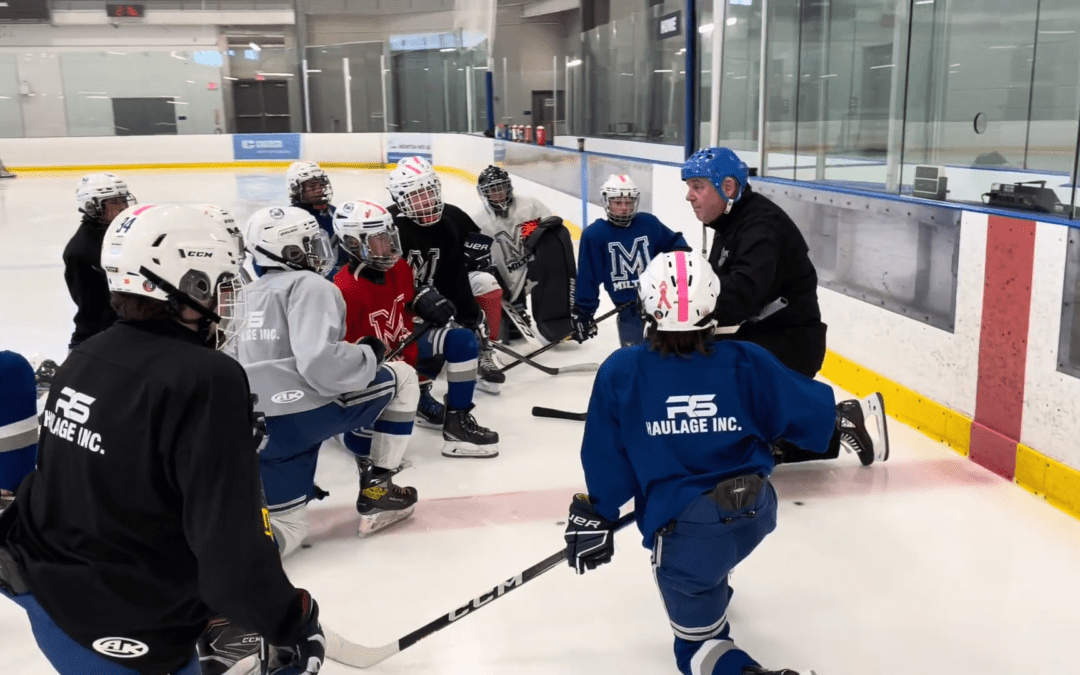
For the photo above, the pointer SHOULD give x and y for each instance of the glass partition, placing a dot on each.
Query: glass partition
(11, 125)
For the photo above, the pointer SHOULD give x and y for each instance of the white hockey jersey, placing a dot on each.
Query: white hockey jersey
(293, 344)
(508, 250)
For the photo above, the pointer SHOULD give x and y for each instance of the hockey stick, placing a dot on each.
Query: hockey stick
(567, 336)
(416, 335)
(358, 656)
(523, 326)
(540, 411)
(573, 368)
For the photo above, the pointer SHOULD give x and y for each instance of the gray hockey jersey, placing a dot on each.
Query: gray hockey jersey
(293, 344)
(508, 250)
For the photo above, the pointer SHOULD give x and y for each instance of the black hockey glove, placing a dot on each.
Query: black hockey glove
(376, 345)
(590, 537)
(432, 307)
(584, 327)
(477, 251)
(306, 655)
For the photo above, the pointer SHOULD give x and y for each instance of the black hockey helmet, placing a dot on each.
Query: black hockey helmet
(496, 190)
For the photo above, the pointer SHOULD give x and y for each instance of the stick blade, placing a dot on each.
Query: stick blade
(540, 411)
(357, 656)
(579, 368)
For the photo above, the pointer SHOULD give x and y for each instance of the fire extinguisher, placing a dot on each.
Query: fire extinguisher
(541, 134)
(528, 133)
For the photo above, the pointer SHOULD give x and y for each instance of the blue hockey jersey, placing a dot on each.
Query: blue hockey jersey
(663, 431)
(18, 420)
(615, 256)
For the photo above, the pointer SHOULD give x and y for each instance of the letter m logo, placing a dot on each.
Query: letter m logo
(624, 264)
(424, 267)
(698, 405)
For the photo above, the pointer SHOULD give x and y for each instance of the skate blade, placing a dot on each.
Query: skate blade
(875, 405)
(488, 387)
(425, 424)
(372, 523)
(468, 450)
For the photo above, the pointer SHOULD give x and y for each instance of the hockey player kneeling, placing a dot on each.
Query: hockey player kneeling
(144, 516)
(381, 302)
(683, 426)
(531, 253)
(313, 385)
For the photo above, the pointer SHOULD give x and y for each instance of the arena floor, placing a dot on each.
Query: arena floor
(927, 564)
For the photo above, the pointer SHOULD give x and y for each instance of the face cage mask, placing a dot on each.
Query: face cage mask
(488, 190)
(221, 308)
(424, 205)
(620, 220)
(322, 181)
(97, 211)
(315, 253)
(381, 250)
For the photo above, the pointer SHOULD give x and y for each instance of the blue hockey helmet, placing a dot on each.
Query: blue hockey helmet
(716, 164)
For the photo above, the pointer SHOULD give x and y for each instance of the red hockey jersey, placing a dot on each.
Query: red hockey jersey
(377, 309)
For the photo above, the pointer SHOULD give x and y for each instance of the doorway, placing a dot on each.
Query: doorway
(544, 112)
(261, 106)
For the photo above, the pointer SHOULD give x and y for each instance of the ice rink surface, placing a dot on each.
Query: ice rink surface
(926, 564)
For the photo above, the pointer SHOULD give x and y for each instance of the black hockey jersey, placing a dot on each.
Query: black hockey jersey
(436, 254)
(145, 510)
(86, 281)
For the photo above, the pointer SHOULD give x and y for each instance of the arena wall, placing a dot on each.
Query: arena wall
(990, 388)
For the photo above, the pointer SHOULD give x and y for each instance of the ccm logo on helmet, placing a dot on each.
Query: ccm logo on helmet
(287, 396)
(196, 254)
(120, 648)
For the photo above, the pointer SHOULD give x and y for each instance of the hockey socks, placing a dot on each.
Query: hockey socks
(491, 303)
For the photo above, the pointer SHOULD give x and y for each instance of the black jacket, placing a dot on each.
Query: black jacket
(436, 254)
(145, 515)
(86, 281)
(760, 255)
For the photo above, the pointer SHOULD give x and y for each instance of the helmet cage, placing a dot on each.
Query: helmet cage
(424, 205)
(499, 195)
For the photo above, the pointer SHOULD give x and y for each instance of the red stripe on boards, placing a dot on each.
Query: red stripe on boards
(999, 401)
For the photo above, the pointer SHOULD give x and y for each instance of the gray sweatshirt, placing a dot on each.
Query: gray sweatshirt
(293, 347)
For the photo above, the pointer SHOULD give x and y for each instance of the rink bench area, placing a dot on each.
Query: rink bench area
(954, 312)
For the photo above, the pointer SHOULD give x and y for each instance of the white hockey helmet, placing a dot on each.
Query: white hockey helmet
(621, 197)
(225, 218)
(287, 236)
(367, 232)
(176, 253)
(96, 189)
(417, 191)
(308, 183)
(678, 292)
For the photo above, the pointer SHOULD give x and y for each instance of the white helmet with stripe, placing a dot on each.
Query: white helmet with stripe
(417, 191)
(367, 232)
(621, 198)
(678, 292)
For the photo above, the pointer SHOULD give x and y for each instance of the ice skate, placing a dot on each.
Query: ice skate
(225, 649)
(381, 503)
(758, 670)
(854, 434)
(489, 377)
(465, 438)
(430, 414)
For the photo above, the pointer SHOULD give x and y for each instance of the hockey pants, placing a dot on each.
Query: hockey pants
(631, 327)
(692, 557)
(69, 657)
(456, 348)
(376, 422)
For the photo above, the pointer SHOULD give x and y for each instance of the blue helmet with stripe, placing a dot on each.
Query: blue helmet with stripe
(716, 164)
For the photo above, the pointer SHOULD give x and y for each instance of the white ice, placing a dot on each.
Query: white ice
(926, 564)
